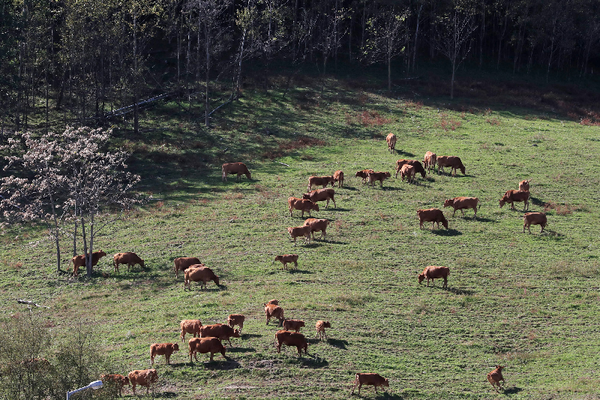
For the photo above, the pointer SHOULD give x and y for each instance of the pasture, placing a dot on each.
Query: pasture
(529, 302)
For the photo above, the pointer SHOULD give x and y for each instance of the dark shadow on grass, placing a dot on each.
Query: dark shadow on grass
(461, 291)
(313, 245)
(165, 395)
(197, 288)
(388, 396)
(512, 390)
(339, 343)
(241, 349)
(221, 365)
(334, 242)
(250, 335)
(300, 271)
(483, 219)
(446, 232)
(313, 361)
(536, 201)
(404, 154)
(349, 188)
(340, 209)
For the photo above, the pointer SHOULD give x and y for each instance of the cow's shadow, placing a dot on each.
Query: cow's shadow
(312, 361)
(482, 219)
(404, 154)
(339, 343)
(461, 291)
(512, 390)
(241, 349)
(348, 188)
(250, 335)
(446, 232)
(300, 271)
(221, 365)
(340, 209)
(165, 395)
(536, 201)
(386, 396)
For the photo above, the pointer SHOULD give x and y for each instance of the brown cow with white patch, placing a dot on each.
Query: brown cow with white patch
(116, 381)
(199, 273)
(495, 376)
(534, 218)
(287, 258)
(524, 185)
(369, 379)
(293, 325)
(183, 263)
(234, 168)
(295, 203)
(299, 231)
(190, 326)
(142, 377)
(407, 171)
(338, 176)
(223, 332)
(429, 161)
(317, 225)
(127, 258)
(433, 215)
(364, 174)
(274, 311)
(433, 272)
(512, 196)
(415, 163)
(79, 261)
(378, 176)
(236, 319)
(321, 195)
(320, 181)
(460, 203)
(320, 327)
(291, 339)
(166, 349)
(391, 142)
(452, 162)
(210, 345)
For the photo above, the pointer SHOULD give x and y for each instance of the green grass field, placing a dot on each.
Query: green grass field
(529, 302)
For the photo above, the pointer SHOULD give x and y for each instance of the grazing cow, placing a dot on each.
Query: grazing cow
(452, 162)
(190, 326)
(407, 171)
(236, 319)
(460, 203)
(320, 195)
(378, 176)
(364, 174)
(432, 272)
(274, 311)
(143, 377)
(432, 215)
(300, 231)
(320, 181)
(534, 218)
(274, 302)
(338, 176)
(495, 377)
(415, 163)
(524, 185)
(200, 274)
(369, 379)
(295, 203)
(429, 161)
(210, 345)
(391, 142)
(127, 258)
(183, 263)
(223, 332)
(117, 381)
(166, 349)
(234, 168)
(512, 196)
(317, 225)
(320, 327)
(293, 324)
(291, 339)
(79, 261)
(287, 258)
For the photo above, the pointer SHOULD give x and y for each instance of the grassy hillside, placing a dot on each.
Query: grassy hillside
(529, 302)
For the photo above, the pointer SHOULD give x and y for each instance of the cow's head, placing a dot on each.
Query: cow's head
(448, 202)
(421, 278)
(445, 223)
(216, 280)
(236, 333)
(315, 207)
(502, 202)
(175, 347)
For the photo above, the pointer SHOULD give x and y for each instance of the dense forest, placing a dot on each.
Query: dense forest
(87, 60)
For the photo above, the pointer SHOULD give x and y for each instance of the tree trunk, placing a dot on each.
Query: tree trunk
(414, 58)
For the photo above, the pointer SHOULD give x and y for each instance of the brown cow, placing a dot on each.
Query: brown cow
(378, 176)
(317, 225)
(127, 258)
(320, 181)
(190, 326)
(512, 196)
(320, 327)
(415, 163)
(295, 203)
(200, 274)
(236, 319)
(534, 218)
(183, 263)
(524, 185)
(223, 332)
(287, 258)
(391, 142)
(429, 161)
(274, 302)
(460, 203)
(452, 162)
(338, 176)
(116, 381)
(79, 261)
(293, 324)
(432, 215)
(234, 168)
(166, 349)
(369, 379)
(291, 339)
(495, 377)
(300, 231)
(407, 171)
(274, 311)
(143, 377)
(210, 345)
(433, 272)
(364, 174)
(321, 195)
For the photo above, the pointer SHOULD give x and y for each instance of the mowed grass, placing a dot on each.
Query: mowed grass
(529, 302)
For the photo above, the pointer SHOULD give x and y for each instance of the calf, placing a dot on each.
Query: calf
(274, 311)
(210, 345)
(408, 172)
(166, 349)
(300, 231)
(524, 185)
(429, 161)
(338, 176)
(534, 218)
(364, 174)
(320, 181)
(433, 215)
(190, 326)
(320, 327)
(287, 258)
(295, 203)
(416, 164)
(79, 261)
(378, 176)
(512, 196)
(199, 273)
(432, 272)
(452, 162)
(223, 332)
(321, 195)
(236, 319)
(291, 339)
(183, 263)
(116, 381)
(293, 324)
(495, 377)
(237, 168)
(391, 142)
(460, 203)
(144, 377)
(274, 302)
(127, 258)
(369, 379)
(317, 225)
